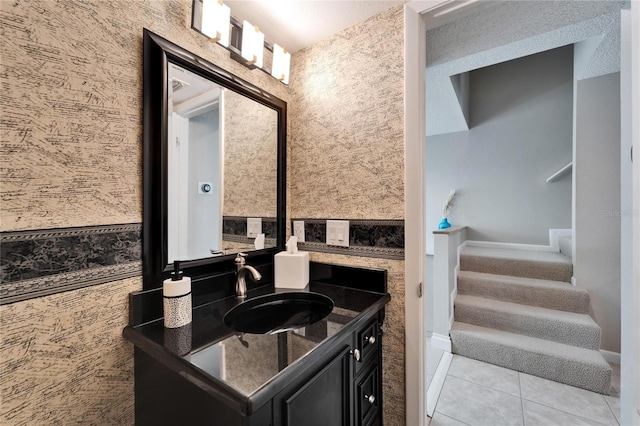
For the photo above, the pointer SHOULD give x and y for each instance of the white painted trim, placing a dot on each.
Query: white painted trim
(415, 236)
(555, 235)
(509, 246)
(613, 357)
(424, 6)
(433, 393)
(630, 269)
(441, 341)
(415, 255)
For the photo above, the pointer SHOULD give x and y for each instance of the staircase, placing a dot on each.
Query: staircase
(517, 309)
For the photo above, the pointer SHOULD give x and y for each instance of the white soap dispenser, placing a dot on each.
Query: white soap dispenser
(176, 292)
(291, 267)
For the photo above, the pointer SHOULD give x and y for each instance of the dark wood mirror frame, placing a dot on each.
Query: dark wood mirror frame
(158, 52)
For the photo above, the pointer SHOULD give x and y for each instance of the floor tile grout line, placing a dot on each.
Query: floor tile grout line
(568, 412)
(435, 409)
(524, 422)
(484, 386)
(606, 401)
(452, 418)
(473, 383)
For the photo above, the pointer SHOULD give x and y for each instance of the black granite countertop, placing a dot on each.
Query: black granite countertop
(246, 369)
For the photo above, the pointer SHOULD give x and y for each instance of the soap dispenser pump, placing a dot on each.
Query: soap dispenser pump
(176, 292)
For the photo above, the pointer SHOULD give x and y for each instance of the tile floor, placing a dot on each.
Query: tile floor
(477, 394)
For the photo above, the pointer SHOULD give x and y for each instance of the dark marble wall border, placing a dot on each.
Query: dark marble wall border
(234, 229)
(237, 225)
(367, 238)
(41, 262)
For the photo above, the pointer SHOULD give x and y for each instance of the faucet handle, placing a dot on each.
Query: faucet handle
(240, 258)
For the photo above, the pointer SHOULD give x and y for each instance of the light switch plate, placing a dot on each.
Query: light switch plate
(298, 230)
(254, 226)
(338, 233)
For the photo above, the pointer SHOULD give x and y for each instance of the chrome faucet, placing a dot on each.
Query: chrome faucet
(242, 268)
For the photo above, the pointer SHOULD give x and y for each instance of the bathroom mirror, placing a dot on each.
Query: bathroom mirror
(214, 165)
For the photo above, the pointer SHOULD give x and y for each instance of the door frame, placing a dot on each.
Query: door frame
(414, 249)
(630, 220)
(414, 131)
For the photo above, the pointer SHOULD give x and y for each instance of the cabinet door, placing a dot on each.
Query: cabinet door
(324, 400)
(367, 397)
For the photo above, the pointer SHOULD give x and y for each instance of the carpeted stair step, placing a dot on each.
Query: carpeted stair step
(564, 327)
(572, 365)
(542, 265)
(527, 291)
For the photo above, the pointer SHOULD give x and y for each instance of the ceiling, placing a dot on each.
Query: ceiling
(296, 24)
(508, 30)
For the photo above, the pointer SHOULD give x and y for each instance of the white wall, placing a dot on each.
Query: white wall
(597, 226)
(521, 133)
(204, 231)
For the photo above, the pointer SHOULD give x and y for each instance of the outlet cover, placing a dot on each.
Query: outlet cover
(254, 227)
(298, 230)
(338, 233)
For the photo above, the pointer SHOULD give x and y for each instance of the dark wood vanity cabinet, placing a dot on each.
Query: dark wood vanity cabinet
(339, 385)
(324, 400)
(347, 389)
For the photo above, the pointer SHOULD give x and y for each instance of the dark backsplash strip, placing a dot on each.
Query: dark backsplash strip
(368, 238)
(34, 263)
(237, 225)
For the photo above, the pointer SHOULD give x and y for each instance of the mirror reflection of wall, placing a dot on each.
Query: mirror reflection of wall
(195, 155)
(222, 168)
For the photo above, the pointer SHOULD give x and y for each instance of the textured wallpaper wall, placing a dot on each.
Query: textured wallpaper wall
(72, 106)
(347, 123)
(71, 155)
(346, 159)
(64, 360)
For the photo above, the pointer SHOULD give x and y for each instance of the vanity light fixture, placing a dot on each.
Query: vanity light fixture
(216, 17)
(281, 63)
(243, 40)
(252, 44)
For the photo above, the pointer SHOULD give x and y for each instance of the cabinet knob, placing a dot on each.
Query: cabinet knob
(370, 398)
(356, 354)
(370, 340)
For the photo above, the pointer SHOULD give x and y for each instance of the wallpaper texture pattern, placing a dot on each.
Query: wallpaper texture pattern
(346, 138)
(64, 360)
(71, 155)
(347, 115)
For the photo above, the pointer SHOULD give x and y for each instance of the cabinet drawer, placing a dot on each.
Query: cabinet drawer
(367, 343)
